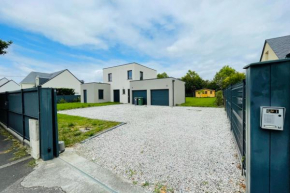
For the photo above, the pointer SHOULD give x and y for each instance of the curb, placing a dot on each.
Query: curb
(102, 132)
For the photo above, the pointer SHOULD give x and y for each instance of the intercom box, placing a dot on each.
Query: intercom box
(272, 118)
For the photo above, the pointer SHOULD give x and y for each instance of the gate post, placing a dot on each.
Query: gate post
(267, 151)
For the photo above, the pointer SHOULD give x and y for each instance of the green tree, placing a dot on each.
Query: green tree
(233, 79)
(192, 82)
(4, 45)
(162, 75)
(227, 76)
(220, 76)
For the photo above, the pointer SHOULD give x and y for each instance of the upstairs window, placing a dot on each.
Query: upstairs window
(110, 77)
(141, 75)
(129, 74)
(101, 94)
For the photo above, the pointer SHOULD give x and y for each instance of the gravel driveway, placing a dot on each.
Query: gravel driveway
(185, 149)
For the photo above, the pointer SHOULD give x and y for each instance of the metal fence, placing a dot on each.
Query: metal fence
(17, 107)
(235, 100)
(68, 98)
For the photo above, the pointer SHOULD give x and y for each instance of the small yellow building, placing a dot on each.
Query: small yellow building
(204, 93)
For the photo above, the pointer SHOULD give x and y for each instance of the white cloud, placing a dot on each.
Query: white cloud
(197, 35)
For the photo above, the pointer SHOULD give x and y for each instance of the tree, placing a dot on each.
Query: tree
(162, 75)
(220, 76)
(192, 82)
(4, 45)
(233, 79)
(227, 76)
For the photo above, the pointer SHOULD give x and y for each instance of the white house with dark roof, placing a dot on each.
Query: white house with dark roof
(276, 48)
(125, 82)
(8, 85)
(60, 79)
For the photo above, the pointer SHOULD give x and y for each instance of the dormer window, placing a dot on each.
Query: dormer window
(129, 74)
(110, 77)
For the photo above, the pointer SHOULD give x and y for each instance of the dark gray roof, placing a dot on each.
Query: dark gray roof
(44, 77)
(280, 45)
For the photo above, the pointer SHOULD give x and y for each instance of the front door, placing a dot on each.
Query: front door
(117, 96)
(85, 96)
(128, 95)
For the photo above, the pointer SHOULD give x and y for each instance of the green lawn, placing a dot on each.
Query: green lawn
(67, 106)
(199, 102)
(74, 129)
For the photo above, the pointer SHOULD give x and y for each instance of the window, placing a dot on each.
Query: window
(101, 94)
(110, 77)
(141, 75)
(205, 92)
(123, 91)
(129, 74)
(210, 92)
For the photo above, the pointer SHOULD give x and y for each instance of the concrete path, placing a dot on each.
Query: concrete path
(12, 172)
(74, 173)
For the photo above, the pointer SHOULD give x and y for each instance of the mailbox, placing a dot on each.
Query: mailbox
(272, 118)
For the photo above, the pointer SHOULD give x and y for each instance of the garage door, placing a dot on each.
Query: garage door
(160, 97)
(139, 93)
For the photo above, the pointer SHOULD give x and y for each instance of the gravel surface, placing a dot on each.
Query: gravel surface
(186, 149)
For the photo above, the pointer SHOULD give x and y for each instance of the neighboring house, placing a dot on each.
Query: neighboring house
(125, 82)
(61, 79)
(8, 85)
(204, 93)
(276, 48)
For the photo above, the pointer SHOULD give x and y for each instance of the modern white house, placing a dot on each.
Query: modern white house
(8, 85)
(125, 82)
(60, 79)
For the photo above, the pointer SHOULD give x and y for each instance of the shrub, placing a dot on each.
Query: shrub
(65, 91)
(78, 99)
(62, 101)
(219, 98)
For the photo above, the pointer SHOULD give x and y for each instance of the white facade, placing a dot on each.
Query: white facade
(9, 86)
(92, 92)
(120, 79)
(175, 87)
(64, 80)
(3, 80)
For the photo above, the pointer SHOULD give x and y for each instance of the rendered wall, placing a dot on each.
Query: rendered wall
(271, 54)
(148, 85)
(10, 86)
(25, 86)
(93, 92)
(64, 80)
(120, 80)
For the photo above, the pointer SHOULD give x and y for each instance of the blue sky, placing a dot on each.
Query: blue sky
(171, 36)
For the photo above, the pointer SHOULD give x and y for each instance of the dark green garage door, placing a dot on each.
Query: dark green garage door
(160, 97)
(140, 93)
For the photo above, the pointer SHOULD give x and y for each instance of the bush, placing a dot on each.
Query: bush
(62, 101)
(76, 100)
(219, 98)
(65, 91)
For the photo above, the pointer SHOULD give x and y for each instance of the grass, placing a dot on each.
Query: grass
(69, 128)
(67, 106)
(20, 150)
(199, 102)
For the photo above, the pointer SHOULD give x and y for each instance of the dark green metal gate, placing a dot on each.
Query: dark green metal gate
(234, 99)
(17, 107)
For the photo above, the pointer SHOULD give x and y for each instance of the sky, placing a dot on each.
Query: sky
(171, 36)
